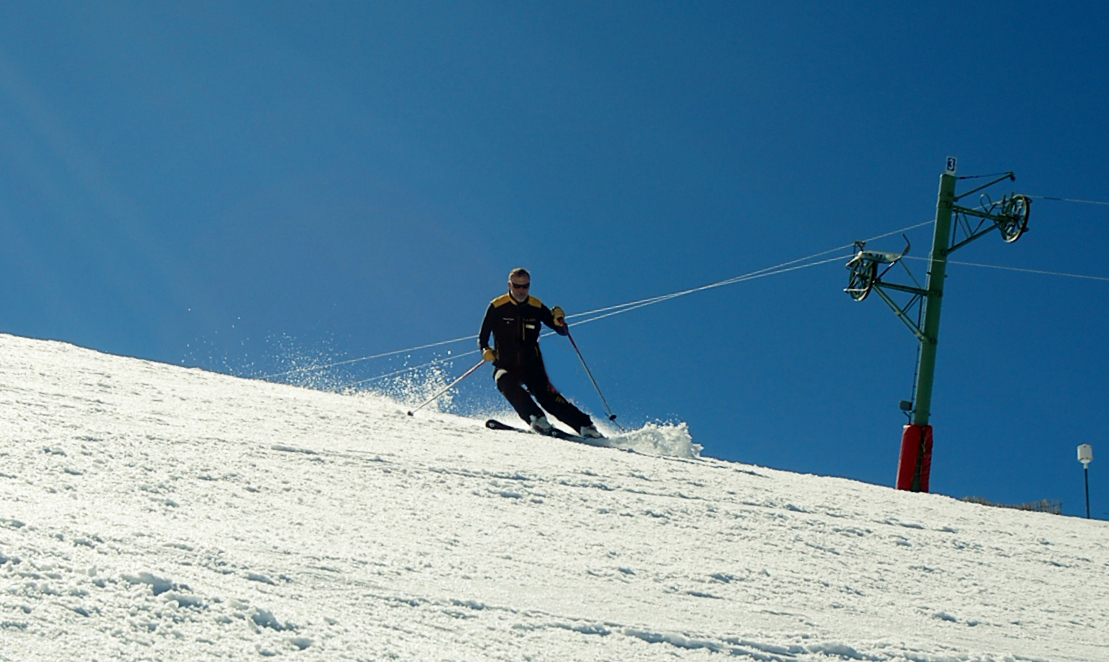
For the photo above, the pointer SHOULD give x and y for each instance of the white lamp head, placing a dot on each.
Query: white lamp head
(1085, 454)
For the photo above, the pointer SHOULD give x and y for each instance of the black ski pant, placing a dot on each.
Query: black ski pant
(520, 385)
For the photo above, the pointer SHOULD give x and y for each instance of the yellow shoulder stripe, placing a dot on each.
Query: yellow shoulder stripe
(507, 298)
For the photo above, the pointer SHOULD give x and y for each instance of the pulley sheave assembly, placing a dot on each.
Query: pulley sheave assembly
(1014, 217)
(864, 267)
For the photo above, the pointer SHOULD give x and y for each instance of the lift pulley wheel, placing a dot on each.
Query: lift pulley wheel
(864, 273)
(1015, 210)
(864, 269)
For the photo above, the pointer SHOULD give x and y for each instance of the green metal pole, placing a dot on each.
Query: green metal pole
(937, 268)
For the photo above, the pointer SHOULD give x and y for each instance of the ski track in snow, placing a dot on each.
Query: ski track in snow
(155, 512)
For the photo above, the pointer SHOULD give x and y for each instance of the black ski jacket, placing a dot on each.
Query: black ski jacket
(515, 328)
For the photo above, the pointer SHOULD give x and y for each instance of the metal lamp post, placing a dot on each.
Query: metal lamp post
(1086, 456)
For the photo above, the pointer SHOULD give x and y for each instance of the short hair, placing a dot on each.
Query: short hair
(519, 271)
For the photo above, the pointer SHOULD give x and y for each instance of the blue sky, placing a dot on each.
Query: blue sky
(249, 186)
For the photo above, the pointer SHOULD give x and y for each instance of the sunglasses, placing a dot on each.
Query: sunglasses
(518, 286)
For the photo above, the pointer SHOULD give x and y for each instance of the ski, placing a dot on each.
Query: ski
(494, 424)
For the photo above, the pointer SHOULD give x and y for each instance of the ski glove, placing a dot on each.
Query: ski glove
(487, 354)
(559, 316)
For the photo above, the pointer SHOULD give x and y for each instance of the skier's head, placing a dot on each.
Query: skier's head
(519, 282)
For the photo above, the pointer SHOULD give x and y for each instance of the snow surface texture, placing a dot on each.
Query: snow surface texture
(159, 513)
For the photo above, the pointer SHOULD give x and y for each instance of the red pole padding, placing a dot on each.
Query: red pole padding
(915, 463)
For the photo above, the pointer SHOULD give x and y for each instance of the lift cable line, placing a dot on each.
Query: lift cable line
(597, 314)
(316, 368)
(1039, 272)
(768, 271)
(774, 271)
(1076, 200)
(608, 310)
(434, 362)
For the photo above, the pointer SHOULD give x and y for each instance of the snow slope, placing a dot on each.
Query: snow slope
(154, 512)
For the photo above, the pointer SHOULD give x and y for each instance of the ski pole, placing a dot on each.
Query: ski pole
(611, 416)
(447, 388)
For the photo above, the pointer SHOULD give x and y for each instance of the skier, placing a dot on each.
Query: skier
(514, 319)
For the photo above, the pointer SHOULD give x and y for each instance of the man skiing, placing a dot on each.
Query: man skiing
(515, 320)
